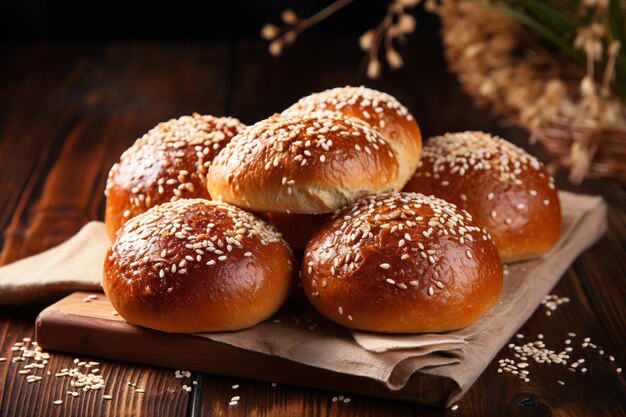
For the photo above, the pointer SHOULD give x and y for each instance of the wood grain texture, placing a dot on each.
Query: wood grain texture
(264, 399)
(67, 113)
(61, 135)
(83, 323)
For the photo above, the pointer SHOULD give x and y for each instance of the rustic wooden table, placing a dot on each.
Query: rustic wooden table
(67, 111)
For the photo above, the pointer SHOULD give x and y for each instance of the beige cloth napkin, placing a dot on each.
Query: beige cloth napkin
(307, 338)
(75, 264)
(460, 355)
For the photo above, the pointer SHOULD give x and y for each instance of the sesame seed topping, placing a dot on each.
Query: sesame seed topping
(308, 139)
(204, 242)
(373, 103)
(393, 219)
(181, 151)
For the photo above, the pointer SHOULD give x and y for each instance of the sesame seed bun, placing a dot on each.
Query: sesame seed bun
(382, 111)
(402, 263)
(507, 190)
(167, 163)
(297, 229)
(303, 163)
(197, 266)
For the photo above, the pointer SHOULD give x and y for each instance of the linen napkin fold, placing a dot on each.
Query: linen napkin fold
(460, 356)
(392, 360)
(76, 264)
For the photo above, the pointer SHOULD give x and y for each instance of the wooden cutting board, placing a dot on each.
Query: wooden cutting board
(90, 328)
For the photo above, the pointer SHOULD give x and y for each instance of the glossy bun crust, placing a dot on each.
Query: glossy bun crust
(507, 190)
(297, 229)
(402, 263)
(197, 266)
(382, 111)
(167, 163)
(303, 163)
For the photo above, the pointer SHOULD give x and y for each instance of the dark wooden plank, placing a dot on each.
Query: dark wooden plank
(267, 399)
(103, 98)
(112, 94)
(599, 391)
(163, 394)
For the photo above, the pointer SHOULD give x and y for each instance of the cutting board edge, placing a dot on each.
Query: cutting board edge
(57, 330)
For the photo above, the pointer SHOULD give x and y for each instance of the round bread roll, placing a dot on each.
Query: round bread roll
(303, 163)
(380, 110)
(402, 263)
(297, 229)
(167, 163)
(507, 190)
(195, 265)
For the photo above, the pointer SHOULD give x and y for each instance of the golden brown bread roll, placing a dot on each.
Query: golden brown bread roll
(197, 266)
(167, 163)
(507, 190)
(385, 114)
(382, 111)
(303, 163)
(402, 263)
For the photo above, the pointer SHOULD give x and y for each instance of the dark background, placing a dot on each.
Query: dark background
(324, 56)
(60, 20)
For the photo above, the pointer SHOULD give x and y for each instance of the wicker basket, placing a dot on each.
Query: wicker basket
(505, 67)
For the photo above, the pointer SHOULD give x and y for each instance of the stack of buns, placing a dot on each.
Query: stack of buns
(390, 237)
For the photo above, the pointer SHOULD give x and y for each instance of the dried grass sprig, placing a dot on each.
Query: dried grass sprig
(279, 37)
(395, 26)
